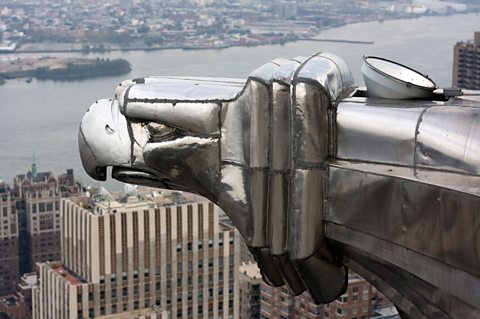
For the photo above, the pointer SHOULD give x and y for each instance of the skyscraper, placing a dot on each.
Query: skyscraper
(37, 199)
(131, 256)
(466, 64)
(9, 262)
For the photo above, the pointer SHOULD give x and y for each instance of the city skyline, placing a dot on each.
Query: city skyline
(105, 26)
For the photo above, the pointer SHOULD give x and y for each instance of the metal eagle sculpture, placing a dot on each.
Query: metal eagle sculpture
(316, 175)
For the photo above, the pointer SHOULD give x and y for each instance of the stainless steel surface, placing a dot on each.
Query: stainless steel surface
(315, 177)
(391, 80)
(377, 133)
(449, 138)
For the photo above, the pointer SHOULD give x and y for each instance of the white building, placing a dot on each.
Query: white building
(130, 257)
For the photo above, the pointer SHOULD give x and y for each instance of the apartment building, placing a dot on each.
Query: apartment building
(360, 301)
(249, 282)
(466, 64)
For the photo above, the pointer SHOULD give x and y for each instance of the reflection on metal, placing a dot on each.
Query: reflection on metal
(391, 80)
(316, 176)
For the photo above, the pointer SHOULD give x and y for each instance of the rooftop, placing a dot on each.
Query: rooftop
(251, 270)
(39, 178)
(137, 314)
(28, 281)
(11, 301)
(66, 274)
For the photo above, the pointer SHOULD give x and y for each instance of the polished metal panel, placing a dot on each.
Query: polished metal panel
(315, 175)
(235, 129)
(377, 133)
(258, 198)
(265, 72)
(259, 125)
(280, 137)
(181, 89)
(328, 71)
(306, 217)
(287, 68)
(414, 297)
(278, 207)
(279, 165)
(186, 116)
(410, 215)
(310, 124)
(449, 138)
(177, 159)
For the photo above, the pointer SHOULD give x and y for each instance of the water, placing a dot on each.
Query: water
(42, 117)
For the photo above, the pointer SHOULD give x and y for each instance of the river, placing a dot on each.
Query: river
(42, 117)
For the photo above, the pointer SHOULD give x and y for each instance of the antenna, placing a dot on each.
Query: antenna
(34, 167)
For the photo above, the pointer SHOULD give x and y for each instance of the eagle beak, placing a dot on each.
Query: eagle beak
(103, 139)
(88, 160)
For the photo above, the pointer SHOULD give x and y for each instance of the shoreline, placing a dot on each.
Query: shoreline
(187, 46)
